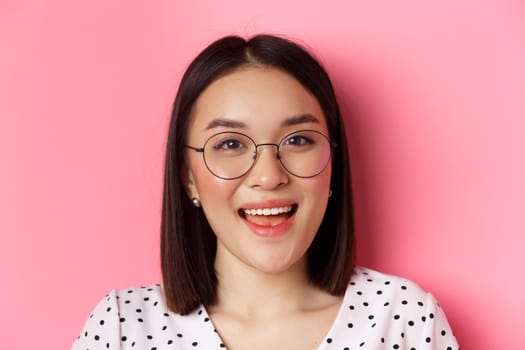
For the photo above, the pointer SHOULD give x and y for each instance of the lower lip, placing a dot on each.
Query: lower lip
(271, 231)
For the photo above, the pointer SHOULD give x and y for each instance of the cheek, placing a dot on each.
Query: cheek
(213, 192)
(318, 199)
(323, 183)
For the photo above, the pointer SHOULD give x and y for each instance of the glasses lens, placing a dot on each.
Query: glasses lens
(305, 153)
(229, 155)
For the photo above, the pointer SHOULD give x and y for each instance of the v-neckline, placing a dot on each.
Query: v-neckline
(212, 330)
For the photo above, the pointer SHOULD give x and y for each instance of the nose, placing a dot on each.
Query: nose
(267, 173)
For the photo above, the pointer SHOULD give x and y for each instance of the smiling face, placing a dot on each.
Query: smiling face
(266, 218)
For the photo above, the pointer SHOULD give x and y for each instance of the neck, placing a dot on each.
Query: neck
(244, 290)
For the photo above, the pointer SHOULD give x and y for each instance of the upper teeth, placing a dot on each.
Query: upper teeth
(268, 211)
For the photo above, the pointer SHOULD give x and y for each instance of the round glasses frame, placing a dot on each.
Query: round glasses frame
(255, 154)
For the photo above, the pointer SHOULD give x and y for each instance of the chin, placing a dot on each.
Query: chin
(275, 264)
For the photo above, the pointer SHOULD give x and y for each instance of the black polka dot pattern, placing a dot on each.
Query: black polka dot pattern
(378, 312)
(138, 318)
(387, 312)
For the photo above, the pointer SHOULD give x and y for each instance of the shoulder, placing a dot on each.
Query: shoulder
(380, 290)
(138, 316)
(391, 311)
(145, 296)
(138, 303)
(138, 306)
(372, 281)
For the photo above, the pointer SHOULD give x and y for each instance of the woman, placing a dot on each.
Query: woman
(257, 229)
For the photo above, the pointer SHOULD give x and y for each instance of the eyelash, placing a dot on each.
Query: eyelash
(301, 138)
(224, 145)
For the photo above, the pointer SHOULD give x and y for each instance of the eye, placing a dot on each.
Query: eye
(298, 140)
(229, 145)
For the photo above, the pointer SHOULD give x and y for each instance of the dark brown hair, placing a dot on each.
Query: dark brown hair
(188, 244)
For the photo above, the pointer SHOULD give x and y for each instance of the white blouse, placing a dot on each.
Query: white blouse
(378, 312)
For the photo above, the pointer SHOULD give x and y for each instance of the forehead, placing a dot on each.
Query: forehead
(257, 99)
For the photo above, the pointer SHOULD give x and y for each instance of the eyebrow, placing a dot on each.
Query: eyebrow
(291, 121)
(299, 119)
(227, 123)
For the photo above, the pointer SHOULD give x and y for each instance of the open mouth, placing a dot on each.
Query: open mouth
(268, 216)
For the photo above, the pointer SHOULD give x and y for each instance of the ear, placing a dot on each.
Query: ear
(188, 181)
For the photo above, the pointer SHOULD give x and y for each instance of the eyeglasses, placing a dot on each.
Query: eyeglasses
(230, 155)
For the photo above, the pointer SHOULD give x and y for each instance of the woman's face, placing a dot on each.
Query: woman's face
(265, 104)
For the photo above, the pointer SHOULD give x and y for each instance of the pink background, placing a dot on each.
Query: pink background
(437, 147)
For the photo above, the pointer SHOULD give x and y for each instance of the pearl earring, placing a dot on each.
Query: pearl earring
(330, 194)
(196, 202)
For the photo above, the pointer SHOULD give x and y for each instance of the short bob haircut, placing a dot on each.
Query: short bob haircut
(188, 244)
